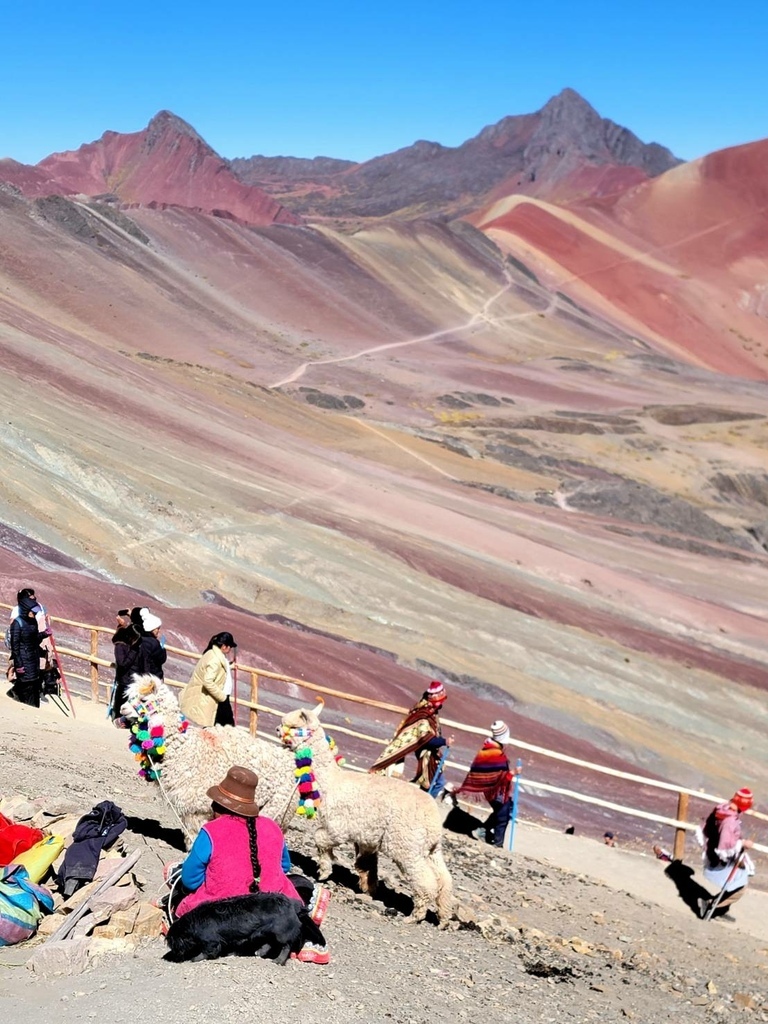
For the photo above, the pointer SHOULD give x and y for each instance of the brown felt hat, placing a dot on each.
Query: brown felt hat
(237, 793)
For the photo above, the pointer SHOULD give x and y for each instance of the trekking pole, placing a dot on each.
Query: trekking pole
(731, 874)
(515, 794)
(434, 784)
(234, 688)
(57, 659)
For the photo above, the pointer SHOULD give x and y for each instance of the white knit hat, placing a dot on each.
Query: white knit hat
(500, 732)
(151, 622)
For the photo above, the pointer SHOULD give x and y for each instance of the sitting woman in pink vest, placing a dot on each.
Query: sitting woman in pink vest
(241, 851)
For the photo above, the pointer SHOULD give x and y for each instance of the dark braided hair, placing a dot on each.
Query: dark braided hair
(251, 823)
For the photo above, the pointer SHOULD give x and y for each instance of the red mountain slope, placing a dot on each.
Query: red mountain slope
(683, 258)
(166, 164)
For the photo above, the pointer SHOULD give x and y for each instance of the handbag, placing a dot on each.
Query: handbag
(39, 858)
(22, 904)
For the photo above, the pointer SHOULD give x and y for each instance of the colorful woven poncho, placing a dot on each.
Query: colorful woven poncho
(418, 726)
(489, 775)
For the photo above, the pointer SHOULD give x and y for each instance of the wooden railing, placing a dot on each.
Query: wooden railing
(98, 687)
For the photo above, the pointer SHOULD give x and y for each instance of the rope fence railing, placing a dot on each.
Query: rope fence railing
(83, 647)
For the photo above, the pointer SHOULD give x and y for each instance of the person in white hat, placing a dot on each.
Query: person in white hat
(152, 653)
(490, 778)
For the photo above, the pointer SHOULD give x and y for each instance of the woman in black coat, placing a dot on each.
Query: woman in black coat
(126, 644)
(26, 654)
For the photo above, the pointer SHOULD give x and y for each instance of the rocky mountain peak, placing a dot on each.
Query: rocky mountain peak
(164, 123)
(570, 130)
(565, 104)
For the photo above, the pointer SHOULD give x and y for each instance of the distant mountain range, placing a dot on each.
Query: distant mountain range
(665, 251)
(536, 154)
(564, 149)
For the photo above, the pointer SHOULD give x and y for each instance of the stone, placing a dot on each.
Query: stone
(465, 915)
(744, 1001)
(149, 922)
(113, 899)
(88, 922)
(66, 826)
(125, 919)
(18, 808)
(49, 924)
(582, 946)
(106, 866)
(99, 945)
(68, 958)
(110, 931)
(80, 896)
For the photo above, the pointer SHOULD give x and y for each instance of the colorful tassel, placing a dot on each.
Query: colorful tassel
(309, 797)
(147, 740)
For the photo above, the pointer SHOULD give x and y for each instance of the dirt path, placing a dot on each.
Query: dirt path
(482, 314)
(562, 930)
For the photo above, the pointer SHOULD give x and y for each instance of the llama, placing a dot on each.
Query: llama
(377, 814)
(195, 759)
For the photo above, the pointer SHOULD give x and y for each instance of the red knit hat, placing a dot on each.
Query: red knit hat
(436, 692)
(743, 799)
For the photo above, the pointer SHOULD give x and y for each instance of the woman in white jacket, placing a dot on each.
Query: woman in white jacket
(205, 699)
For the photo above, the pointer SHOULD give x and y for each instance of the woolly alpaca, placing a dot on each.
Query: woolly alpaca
(378, 815)
(200, 758)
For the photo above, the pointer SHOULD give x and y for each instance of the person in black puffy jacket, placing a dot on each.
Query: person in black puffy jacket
(26, 654)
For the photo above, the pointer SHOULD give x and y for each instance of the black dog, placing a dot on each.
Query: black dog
(264, 924)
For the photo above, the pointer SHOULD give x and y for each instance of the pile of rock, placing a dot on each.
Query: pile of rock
(110, 914)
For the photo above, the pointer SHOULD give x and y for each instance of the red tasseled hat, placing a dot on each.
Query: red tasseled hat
(743, 799)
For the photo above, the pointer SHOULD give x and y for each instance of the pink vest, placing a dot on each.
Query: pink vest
(229, 871)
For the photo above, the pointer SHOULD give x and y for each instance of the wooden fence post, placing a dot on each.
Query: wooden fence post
(678, 850)
(253, 716)
(94, 665)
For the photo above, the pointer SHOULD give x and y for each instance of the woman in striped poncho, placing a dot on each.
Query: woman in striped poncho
(490, 777)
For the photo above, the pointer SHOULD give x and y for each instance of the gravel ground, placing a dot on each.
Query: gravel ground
(532, 942)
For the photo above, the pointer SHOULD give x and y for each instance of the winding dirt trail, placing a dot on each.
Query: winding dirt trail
(481, 315)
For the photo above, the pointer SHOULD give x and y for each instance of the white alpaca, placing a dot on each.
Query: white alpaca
(374, 813)
(378, 815)
(199, 758)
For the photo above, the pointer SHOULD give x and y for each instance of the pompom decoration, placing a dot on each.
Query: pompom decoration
(337, 755)
(309, 797)
(147, 741)
(306, 783)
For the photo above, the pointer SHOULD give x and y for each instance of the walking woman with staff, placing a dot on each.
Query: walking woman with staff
(726, 861)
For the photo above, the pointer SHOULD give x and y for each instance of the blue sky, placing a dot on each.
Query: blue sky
(356, 80)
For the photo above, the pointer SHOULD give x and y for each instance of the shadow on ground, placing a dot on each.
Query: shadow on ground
(151, 829)
(392, 901)
(689, 890)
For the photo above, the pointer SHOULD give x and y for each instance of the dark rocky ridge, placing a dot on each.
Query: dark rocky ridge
(427, 178)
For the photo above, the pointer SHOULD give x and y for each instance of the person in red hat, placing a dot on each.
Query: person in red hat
(418, 733)
(726, 863)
